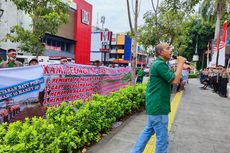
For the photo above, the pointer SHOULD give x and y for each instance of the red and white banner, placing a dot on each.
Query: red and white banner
(105, 36)
(222, 48)
(20, 87)
(71, 82)
(60, 83)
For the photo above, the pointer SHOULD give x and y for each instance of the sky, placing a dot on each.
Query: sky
(115, 12)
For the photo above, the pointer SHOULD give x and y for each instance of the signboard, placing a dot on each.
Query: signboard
(105, 40)
(85, 17)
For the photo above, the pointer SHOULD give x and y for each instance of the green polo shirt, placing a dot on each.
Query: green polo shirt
(159, 89)
(140, 74)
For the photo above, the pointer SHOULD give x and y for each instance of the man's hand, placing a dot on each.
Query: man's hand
(180, 62)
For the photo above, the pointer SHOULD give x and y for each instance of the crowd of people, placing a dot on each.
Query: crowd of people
(216, 79)
(183, 80)
(13, 62)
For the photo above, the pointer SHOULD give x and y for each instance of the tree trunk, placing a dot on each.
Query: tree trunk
(217, 30)
(218, 17)
(129, 16)
(134, 59)
(134, 33)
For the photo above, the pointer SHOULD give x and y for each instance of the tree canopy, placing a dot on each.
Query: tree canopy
(181, 29)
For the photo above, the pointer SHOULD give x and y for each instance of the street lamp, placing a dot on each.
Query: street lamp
(1, 12)
(195, 57)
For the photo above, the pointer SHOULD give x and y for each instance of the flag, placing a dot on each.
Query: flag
(222, 48)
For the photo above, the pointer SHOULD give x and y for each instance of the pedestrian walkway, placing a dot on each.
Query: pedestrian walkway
(201, 125)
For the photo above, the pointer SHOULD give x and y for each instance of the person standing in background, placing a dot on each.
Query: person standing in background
(33, 61)
(140, 75)
(63, 60)
(1, 60)
(97, 63)
(11, 61)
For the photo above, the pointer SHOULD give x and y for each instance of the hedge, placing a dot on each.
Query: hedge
(192, 75)
(71, 126)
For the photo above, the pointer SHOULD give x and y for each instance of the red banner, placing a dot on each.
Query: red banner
(72, 82)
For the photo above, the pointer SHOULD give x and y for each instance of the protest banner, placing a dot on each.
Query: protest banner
(52, 84)
(19, 86)
(72, 82)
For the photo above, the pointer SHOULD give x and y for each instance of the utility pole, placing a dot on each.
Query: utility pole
(102, 22)
(195, 56)
(103, 31)
(97, 20)
(208, 53)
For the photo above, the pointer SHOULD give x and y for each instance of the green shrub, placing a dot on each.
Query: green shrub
(72, 125)
(192, 75)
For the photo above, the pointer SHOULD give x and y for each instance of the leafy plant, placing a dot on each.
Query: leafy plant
(72, 125)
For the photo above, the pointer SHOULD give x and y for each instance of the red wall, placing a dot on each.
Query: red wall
(82, 33)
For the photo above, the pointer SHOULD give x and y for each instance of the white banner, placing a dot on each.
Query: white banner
(20, 85)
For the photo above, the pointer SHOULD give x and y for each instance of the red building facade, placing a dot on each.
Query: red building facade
(83, 24)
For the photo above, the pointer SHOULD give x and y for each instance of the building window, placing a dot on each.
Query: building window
(62, 46)
(112, 55)
(67, 47)
(48, 41)
(57, 44)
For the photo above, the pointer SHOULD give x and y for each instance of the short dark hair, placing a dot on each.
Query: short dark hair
(158, 48)
(33, 59)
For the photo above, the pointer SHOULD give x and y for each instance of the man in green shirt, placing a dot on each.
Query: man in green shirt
(140, 75)
(11, 61)
(158, 99)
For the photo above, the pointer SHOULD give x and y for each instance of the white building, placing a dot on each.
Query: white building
(10, 18)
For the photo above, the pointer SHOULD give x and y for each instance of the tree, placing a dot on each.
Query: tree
(134, 33)
(181, 5)
(215, 8)
(199, 31)
(163, 25)
(211, 9)
(46, 15)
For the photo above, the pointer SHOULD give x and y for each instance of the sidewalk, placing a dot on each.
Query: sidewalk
(122, 139)
(201, 125)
